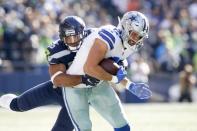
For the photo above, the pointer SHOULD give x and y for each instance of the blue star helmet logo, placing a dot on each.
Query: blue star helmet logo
(134, 18)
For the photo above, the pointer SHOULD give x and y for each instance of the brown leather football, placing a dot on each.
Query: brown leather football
(109, 66)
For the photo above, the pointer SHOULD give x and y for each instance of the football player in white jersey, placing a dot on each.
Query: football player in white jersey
(107, 42)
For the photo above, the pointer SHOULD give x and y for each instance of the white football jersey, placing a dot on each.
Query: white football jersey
(111, 37)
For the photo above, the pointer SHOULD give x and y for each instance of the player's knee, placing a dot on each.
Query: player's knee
(124, 128)
(116, 116)
(81, 120)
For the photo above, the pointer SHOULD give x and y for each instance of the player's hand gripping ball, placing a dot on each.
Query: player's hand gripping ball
(109, 66)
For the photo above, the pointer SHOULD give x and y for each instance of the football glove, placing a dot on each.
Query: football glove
(120, 75)
(141, 90)
(89, 80)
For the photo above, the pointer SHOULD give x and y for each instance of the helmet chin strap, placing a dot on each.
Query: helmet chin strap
(74, 49)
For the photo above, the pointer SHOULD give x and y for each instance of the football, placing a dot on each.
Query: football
(109, 66)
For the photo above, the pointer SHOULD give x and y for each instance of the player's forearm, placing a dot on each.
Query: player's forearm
(98, 72)
(60, 78)
(65, 80)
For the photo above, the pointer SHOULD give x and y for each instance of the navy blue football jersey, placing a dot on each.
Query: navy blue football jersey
(58, 53)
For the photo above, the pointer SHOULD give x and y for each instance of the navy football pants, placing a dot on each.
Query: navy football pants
(41, 95)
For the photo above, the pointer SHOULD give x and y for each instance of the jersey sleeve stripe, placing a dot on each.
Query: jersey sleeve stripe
(107, 33)
(58, 55)
(107, 40)
(115, 59)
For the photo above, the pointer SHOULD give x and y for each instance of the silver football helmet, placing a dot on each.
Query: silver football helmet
(134, 27)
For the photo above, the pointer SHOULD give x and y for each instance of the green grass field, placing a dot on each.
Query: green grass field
(143, 117)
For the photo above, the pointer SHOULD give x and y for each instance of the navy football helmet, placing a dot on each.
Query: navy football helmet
(71, 31)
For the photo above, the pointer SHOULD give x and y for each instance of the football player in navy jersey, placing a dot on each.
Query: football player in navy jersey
(60, 55)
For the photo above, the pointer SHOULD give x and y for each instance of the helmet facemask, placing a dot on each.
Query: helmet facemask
(73, 39)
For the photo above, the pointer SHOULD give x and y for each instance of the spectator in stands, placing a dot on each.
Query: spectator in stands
(36, 21)
(139, 70)
(187, 81)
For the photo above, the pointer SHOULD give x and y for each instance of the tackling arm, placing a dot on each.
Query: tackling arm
(63, 79)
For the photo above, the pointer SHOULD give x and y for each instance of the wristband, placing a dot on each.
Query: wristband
(54, 75)
(114, 79)
(128, 84)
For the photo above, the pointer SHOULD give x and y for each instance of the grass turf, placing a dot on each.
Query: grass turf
(142, 117)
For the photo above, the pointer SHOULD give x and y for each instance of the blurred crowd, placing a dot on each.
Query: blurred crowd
(27, 27)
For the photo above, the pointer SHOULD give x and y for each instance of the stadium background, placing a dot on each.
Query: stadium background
(27, 27)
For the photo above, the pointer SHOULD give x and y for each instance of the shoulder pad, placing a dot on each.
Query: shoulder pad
(108, 27)
(88, 31)
(108, 34)
(55, 51)
(56, 46)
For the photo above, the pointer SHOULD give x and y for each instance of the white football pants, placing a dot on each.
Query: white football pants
(102, 98)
